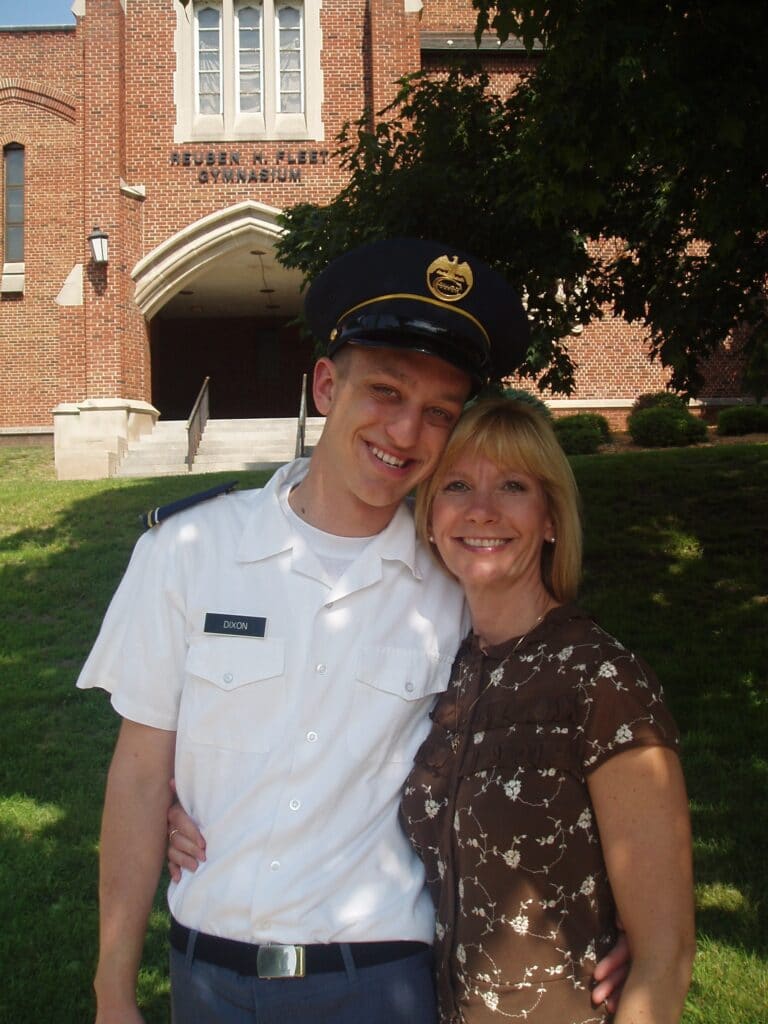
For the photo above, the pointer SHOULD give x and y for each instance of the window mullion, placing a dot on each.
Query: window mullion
(228, 64)
(271, 69)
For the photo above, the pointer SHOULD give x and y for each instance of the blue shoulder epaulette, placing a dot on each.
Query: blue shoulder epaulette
(155, 516)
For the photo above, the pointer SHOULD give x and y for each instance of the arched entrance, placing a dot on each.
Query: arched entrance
(220, 305)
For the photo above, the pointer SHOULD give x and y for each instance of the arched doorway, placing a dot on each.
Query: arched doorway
(220, 305)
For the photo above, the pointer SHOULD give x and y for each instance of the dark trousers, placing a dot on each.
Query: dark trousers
(401, 992)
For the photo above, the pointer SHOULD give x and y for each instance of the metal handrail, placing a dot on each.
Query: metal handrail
(197, 421)
(301, 426)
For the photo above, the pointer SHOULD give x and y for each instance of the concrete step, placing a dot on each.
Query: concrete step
(226, 446)
(161, 453)
(149, 470)
(170, 427)
(165, 437)
(219, 428)
(271, 450)
(235, 466)
(254, 423)
(248, 444)
(152, 467)
(156, 457)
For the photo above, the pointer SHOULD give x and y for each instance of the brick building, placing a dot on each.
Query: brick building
(181, 131)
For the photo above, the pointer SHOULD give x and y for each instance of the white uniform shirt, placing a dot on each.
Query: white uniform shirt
(291, 749)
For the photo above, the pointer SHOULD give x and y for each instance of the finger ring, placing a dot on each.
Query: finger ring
(173, 832)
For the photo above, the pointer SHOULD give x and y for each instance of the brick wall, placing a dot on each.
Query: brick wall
(448, 16)
(40, 93)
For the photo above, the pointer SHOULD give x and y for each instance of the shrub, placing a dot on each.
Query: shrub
(665, 427)
(743, 419)
(579, 434)
(600, 422)
(659, 400)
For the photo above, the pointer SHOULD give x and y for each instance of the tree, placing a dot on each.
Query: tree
(645, 124)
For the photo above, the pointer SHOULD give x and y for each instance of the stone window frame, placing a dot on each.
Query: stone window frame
(233, 124)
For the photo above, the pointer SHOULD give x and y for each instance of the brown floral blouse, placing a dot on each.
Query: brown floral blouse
(497, 807)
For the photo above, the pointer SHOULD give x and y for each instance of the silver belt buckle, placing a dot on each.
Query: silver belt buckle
(274, 961)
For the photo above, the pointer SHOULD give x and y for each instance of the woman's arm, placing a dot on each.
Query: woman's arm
(186, 845)
(642, 815)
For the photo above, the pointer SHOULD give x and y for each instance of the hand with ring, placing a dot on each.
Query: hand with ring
(186, 845)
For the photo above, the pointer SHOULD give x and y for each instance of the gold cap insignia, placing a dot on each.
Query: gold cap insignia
(448, 279)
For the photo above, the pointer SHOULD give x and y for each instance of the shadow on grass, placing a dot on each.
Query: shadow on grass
(676, 568)
(56, 580)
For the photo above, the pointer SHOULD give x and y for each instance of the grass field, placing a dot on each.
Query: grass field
(675, 566)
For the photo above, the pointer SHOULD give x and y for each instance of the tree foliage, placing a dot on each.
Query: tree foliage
(644, 123)
(440, 163)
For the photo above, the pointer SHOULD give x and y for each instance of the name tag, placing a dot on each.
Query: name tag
(235, 625)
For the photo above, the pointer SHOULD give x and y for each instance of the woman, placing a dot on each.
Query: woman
(548, 796)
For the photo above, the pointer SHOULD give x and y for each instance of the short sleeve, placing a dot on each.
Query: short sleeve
(139, 654)
(623, 707)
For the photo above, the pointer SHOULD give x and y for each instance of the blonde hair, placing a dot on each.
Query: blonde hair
(515, 434)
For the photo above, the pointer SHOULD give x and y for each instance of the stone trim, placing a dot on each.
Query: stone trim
(12, 280)
(71, 293)
(28, 92)
(91, 437)
(165, 270)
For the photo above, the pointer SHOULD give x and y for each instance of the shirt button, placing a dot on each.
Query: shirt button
(312, 737)
(409, 686)
(228, 677)
(295, 805)
(321, 668)
(275, 865)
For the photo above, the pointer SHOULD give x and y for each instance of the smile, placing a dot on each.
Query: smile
(484, 542)
(387, 459)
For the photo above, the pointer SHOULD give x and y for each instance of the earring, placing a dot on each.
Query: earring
(431, 539)
(551, 540)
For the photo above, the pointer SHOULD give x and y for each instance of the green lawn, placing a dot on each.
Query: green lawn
(675, 566)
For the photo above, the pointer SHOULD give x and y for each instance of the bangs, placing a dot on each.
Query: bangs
(487, 435)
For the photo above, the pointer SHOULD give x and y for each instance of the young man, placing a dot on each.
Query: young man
(278, 651)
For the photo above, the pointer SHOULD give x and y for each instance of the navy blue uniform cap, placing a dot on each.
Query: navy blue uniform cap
(424, 296)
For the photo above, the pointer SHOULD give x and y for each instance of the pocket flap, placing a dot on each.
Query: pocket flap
(404, 672)
(230, 662)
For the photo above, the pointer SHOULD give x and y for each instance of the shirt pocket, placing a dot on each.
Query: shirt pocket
(393, 691)
(234, 695)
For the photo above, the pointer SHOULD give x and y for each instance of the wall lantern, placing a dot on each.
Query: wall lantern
(99, 241)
